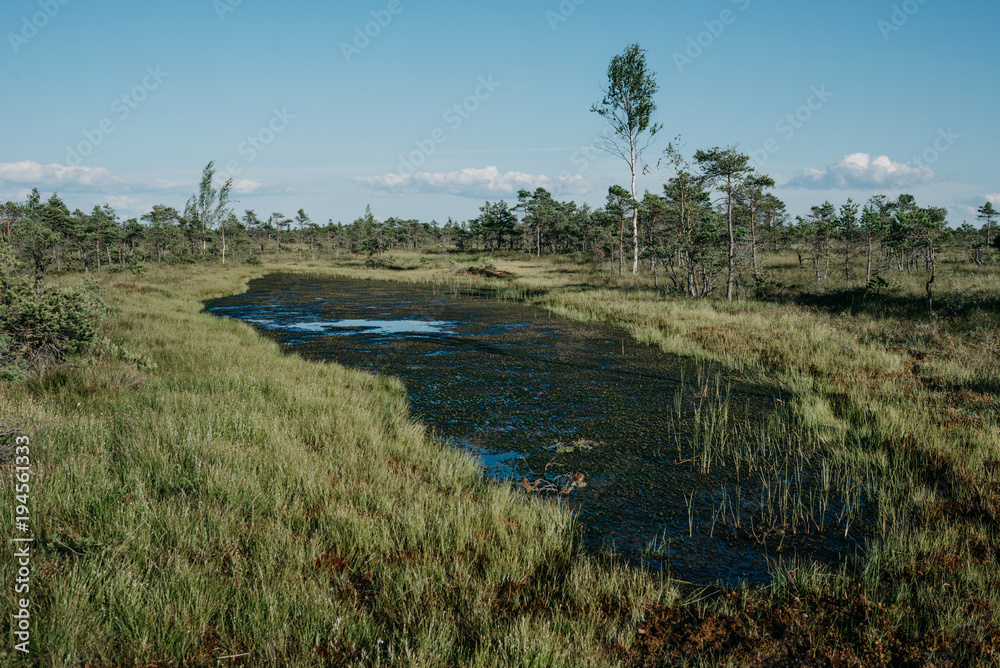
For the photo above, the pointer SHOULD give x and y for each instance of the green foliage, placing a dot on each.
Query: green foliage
(628, 103)
(36, 241)
(44, 323)
(497, 219)
(765, 286)
(385, 262)
(10, 263)
(878, 285)
(711, 221)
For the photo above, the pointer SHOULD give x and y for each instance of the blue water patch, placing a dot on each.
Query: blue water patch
(374, 327)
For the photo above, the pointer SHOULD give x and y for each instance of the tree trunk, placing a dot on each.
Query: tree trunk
(621, 249)
(635, 215)
(731, 278)
(847, 259)
(930, 283)
(868, 275)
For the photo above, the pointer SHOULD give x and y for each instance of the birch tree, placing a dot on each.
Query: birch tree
(210, 206)
(628, 108)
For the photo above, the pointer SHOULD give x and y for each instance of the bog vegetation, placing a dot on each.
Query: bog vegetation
(199, 497)
(196, 502)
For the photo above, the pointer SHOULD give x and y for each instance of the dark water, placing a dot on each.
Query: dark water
(536, 396)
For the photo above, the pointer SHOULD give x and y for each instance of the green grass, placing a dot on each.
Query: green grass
(231, 498)
(201, 494)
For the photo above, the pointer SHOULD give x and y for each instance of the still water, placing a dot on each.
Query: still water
(538, 397)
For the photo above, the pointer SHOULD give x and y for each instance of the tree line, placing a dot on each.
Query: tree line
(701, 236)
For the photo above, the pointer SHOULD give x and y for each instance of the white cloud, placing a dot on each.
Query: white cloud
(97, 180)
(472, 182)
(55, 176)
(173, 185)
(993, 198)
(126, 203)
(246, 186)
(861, 170)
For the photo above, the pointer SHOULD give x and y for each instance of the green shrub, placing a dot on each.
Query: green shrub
(44, 323)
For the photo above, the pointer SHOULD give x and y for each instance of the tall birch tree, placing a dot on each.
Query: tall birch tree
(628, 108)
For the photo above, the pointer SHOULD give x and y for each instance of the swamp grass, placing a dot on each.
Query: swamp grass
(199, 494)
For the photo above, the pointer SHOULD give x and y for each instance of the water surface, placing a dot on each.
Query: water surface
(535, 396)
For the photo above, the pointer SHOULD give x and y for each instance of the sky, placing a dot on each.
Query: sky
(426, 110)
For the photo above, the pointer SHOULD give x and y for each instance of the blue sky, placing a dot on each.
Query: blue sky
(125, 102)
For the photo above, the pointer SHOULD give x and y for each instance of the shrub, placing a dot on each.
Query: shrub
(44, 323)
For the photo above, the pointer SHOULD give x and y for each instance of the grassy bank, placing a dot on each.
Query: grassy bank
(205, 495)
(199, 494)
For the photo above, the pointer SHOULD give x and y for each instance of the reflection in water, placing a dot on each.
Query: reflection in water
(528, 392)
(373, 327)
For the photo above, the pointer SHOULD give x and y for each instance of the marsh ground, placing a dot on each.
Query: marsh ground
(199, 494)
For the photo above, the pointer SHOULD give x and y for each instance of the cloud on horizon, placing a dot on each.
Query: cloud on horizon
(861, 170)
(98, 180)
(472, 182)
(56, 177)
(247, 186)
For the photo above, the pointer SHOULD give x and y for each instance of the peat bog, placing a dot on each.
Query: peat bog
(665, 463)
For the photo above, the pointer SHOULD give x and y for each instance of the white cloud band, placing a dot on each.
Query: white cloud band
(472, 182)
(861, 170)
(55, 176)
